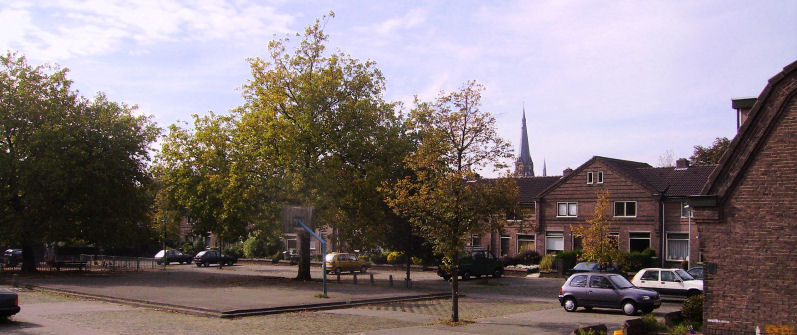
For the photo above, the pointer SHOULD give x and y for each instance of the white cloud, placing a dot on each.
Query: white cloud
(72, 28)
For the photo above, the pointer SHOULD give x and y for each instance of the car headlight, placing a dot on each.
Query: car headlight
(645, 297)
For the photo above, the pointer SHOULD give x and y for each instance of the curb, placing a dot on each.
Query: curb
(242, 312)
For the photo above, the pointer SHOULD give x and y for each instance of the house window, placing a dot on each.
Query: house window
(291, 243)
(615, 237)
(589, 177)
(565, 209)
(505, 245)
(686, 211)
(625, 208)
(677, 246)
(312, 244)
(639, 241)
(525, 243)
(600, 177)
(513, 214)
(578, 242)
(554, 242)
(475, 240)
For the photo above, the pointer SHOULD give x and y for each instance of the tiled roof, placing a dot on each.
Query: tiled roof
(530, 188)
(674, 182)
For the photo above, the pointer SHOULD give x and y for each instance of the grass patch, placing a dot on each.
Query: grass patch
(321, 295)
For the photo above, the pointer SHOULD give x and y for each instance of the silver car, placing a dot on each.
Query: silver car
(606, 290)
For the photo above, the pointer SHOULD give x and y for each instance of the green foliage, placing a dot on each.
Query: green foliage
(693, 308)
(547, 262)
(235, 250)
(73, 168)
(569, 258)
(710, 155)
(635, 260)
(396, 257)
(417, 260)
(379, 258)
(259, 245)
(650, 324)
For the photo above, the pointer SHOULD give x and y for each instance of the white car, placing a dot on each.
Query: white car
(669, 282)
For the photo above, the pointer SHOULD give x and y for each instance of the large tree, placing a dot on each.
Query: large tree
(71, 168)
(710, 155)
(320, 122)
(444, 198)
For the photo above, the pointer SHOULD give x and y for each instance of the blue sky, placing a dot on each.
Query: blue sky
(624, 79)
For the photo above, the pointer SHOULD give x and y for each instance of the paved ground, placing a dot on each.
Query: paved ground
(502, 306)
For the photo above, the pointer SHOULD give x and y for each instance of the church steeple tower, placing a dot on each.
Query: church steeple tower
(524, 166)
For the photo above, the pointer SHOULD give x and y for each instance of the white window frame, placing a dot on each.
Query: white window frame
(501, 242)
(683, 207)
(600, 177)
(625, 209)
(478, 238)
(568, 214)
(650, 240)
(554, 234)
(518, 239)
(590, 178)
(667, 247)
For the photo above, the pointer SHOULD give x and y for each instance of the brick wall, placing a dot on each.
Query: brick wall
(752, 236)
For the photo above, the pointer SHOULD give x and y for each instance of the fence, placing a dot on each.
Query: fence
(97, 263)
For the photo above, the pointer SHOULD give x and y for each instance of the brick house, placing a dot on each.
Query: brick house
(647, 209)
(747, 214)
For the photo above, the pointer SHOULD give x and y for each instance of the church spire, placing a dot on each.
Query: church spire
(524, 166)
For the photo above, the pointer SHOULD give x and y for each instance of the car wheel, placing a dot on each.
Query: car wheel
(198, 264)
(497, 273)
(692, 293)
(570, 305)
(466, 275)
(363, 269)
(446, 278)
(160, 263)
(337, 271)
(629, 307)
(206, 264)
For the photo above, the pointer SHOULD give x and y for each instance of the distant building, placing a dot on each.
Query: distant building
(747, 218)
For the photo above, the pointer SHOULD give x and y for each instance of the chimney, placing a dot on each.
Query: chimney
(566, 172)
(742, 107)
(682, 164)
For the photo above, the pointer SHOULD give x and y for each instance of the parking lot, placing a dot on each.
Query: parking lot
(495, 306)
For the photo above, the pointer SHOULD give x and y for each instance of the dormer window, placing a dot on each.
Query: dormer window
(589, 177)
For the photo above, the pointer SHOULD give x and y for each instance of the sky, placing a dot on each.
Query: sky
(632, 80)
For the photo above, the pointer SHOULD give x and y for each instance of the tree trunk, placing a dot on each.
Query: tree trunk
(304, 253)
(455, 291)
(28, 258)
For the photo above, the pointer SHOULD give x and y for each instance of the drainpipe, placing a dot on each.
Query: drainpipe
(662, 250)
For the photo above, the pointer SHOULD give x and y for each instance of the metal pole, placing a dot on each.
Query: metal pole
(689, 242)
(323, 250)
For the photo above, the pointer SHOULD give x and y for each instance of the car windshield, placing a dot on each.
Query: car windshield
(620, 282)
(160, 254)
(684, 275)
(201, 253)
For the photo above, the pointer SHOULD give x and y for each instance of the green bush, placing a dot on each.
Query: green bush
(547, 262)
(235, 250)
(379, 258)
(276, 257)
(693, 308)
(256, 246)
(188, 249)
(416, 260)
(396, 257)
(650, 324)
(569, 258)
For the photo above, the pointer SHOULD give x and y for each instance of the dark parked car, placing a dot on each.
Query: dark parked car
(476, 262)
(208, 257)
(607, 290)
(590, 267)
(172, 256)
(9, 304)
(696, 272)
(12, 257)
